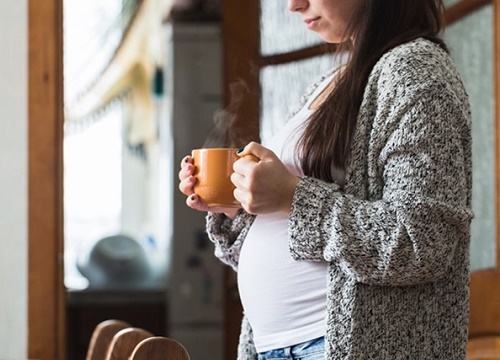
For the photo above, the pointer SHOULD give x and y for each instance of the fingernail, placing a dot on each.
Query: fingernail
(240, 150)
(192, 197)
(186, 159)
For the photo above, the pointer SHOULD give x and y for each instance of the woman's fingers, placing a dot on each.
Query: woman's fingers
(187, 167)
(264, 186)
(254, 150)
(186, 176)
(186, 185)
(194, 202)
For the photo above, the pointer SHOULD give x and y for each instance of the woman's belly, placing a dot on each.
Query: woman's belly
(282, 298)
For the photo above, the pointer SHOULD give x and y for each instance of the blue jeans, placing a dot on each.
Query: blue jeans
(309, 350)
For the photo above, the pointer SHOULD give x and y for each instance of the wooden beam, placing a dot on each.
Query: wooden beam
(297, 55)
(486, 348)
(241, 53)
(485, 296)
(462, 9)
(46, 326)
(241, 48)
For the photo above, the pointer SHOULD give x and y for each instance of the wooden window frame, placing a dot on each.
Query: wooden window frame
(46, 295)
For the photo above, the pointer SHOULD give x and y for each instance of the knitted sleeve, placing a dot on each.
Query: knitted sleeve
(228, 235)
(409, 233)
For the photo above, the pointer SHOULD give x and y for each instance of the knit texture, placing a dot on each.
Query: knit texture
(397, 235)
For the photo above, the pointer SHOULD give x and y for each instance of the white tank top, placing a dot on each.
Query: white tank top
(284, 300)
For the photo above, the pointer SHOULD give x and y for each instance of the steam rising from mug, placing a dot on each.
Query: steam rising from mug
(224, 134)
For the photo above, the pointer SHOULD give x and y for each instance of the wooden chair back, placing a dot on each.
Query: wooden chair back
(101, 338)
(123, 343)
(159, 348)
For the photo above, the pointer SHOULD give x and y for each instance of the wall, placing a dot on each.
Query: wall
(13, 178)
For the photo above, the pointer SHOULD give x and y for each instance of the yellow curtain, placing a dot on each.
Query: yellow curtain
(129, 75)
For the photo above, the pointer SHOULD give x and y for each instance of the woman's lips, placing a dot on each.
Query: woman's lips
(311, 22)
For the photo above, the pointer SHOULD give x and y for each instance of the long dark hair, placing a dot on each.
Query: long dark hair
(377, 26)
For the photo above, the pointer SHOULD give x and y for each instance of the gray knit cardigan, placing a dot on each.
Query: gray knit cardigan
(397, 235)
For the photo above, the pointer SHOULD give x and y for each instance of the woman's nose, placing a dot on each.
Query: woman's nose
(297, 5)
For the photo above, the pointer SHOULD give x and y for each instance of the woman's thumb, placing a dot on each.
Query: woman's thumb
(252, 150)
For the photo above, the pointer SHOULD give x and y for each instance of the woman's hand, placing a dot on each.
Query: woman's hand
(186, 186)
(263, 186)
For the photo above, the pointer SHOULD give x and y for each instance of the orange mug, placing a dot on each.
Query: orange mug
(213, 169)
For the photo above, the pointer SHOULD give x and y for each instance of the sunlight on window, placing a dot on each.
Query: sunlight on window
(92, 189)
(109, 188)
(92, 157)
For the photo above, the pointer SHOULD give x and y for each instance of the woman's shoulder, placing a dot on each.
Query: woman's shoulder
(419, 54)
(417, 64)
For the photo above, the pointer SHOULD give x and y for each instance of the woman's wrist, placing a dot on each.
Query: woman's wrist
(294, 181)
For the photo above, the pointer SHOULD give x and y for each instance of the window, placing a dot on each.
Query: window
(112, 185)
